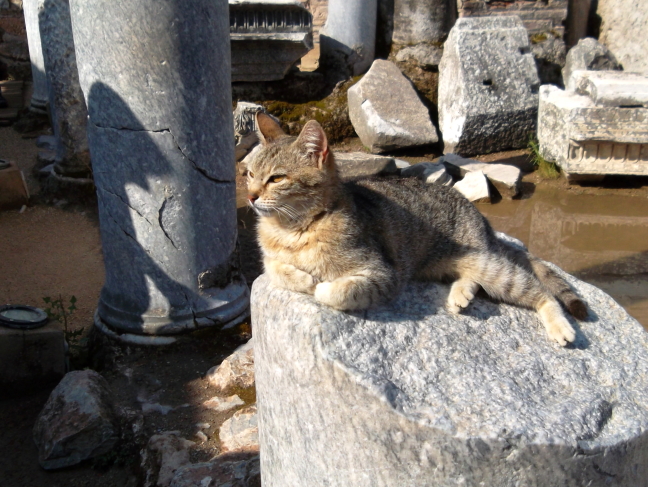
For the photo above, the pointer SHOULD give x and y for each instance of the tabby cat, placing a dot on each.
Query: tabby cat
(355, 244)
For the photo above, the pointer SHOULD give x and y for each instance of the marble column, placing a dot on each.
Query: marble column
(67, 105)
(156, 79)
(39, 97)
(350, 33)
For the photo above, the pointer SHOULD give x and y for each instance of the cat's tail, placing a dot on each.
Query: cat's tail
(559, 288)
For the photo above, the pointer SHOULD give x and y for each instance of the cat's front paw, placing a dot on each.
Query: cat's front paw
(325, 294)
(461, 294)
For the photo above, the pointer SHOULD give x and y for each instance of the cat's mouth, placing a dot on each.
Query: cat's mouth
(280, 210)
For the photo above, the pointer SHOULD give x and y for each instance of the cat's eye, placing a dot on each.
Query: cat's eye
(276, 179)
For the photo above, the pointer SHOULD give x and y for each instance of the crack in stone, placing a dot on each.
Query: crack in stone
(127, 204)
(160, 211)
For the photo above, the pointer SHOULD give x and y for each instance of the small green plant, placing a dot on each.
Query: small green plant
(61, 311)
(546, 169)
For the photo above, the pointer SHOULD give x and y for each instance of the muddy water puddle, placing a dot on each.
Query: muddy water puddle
(601, 239)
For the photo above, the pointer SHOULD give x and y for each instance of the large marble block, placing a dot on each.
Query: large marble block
(409, 395)
(600, 128)
(488, 86)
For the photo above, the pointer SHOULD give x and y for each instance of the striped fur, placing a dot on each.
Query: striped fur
(355, 244)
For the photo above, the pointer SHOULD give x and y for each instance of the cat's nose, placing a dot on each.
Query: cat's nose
(253, 197)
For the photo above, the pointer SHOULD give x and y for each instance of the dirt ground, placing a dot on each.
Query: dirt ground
(53, 248)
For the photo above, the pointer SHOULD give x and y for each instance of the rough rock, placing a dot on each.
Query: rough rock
(386, 112)
(236, 371)
(429, 172)
(223, 404)
(223, 471)
(77, 421)
(588, 54)
(245, 127)
(549, 55)
(240, 433)
(504, 177)
(425, 55)
(623, 31)
(163, 456)
(488, 86)
(407, 394)
(474, 186)
(401, 164)
(360, 164)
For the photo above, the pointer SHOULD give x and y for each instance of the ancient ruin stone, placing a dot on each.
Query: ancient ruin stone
(236, 371)
(240, 433)
(223, 471)
(474, 186)
(360, 164)
(428, 172)
(77, 421)
(163, 456)
(623, 31)
(590, 139)
(487, 86)
(386, 111)
(425, 55)
(223, 404)
(504, 177)
(417, 21)
(588, 54)
(408, 394)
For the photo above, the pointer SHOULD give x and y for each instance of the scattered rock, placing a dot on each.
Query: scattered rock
(549, 55)
(474, 186)
(504, 177)
(483, 396)
(77, 421)
(401, 164)
(488, 86)
(223, 404)
(429, 172)
(425, 55)
(360, 164)
(223, 471)
(236, 371)
(164, 454)
(387, 113)
(241, 431)
(588, 54)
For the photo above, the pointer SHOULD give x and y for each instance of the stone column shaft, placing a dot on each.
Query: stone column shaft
(39, 96)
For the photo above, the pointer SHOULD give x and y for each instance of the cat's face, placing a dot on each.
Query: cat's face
(289, 176)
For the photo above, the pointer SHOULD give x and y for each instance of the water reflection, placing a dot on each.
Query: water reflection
(602, 239)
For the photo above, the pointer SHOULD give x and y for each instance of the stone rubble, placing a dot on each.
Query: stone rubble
(386, 112)
(359, 164)
(163, 456)
(77, 422)
(488, 86)
(504, 177)
(240, 433)
(223, 404)
(623, 31)
(223, 471)
(236, 371)
(428, 172)
(474, 186)
(588, 54)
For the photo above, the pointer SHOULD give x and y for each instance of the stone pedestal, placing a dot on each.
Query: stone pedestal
(67, 105)
(39, 77)
(349, 35)
(156, 79)
(417, 21)
(408, 395)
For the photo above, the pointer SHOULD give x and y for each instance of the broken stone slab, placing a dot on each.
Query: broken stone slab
(401, 164)
(430, 397)
(612, 88)
(504, 177)
(386, 112)
(223, 404)
(164, 454)
(223, 471)
(236, 371)
(77, 422)
(588, 54)
(359, 164)
(474, 186)
(240, 433)
(589, 140)
(425, 55)
(488, 86)
(428, 172)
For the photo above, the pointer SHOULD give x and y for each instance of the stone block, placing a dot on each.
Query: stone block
(623, 31)
(13, 189)
(587, 139)
(386, 112)
(417, 21)
(488, 86)
(588, 54)
(359, 164)
(31, 358)
(408, 395)
(268, 38)
(504, 177)
(612, 88)
(474, 186)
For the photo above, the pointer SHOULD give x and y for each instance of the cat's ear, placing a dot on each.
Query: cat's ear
(268, 130)
(313, 143)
